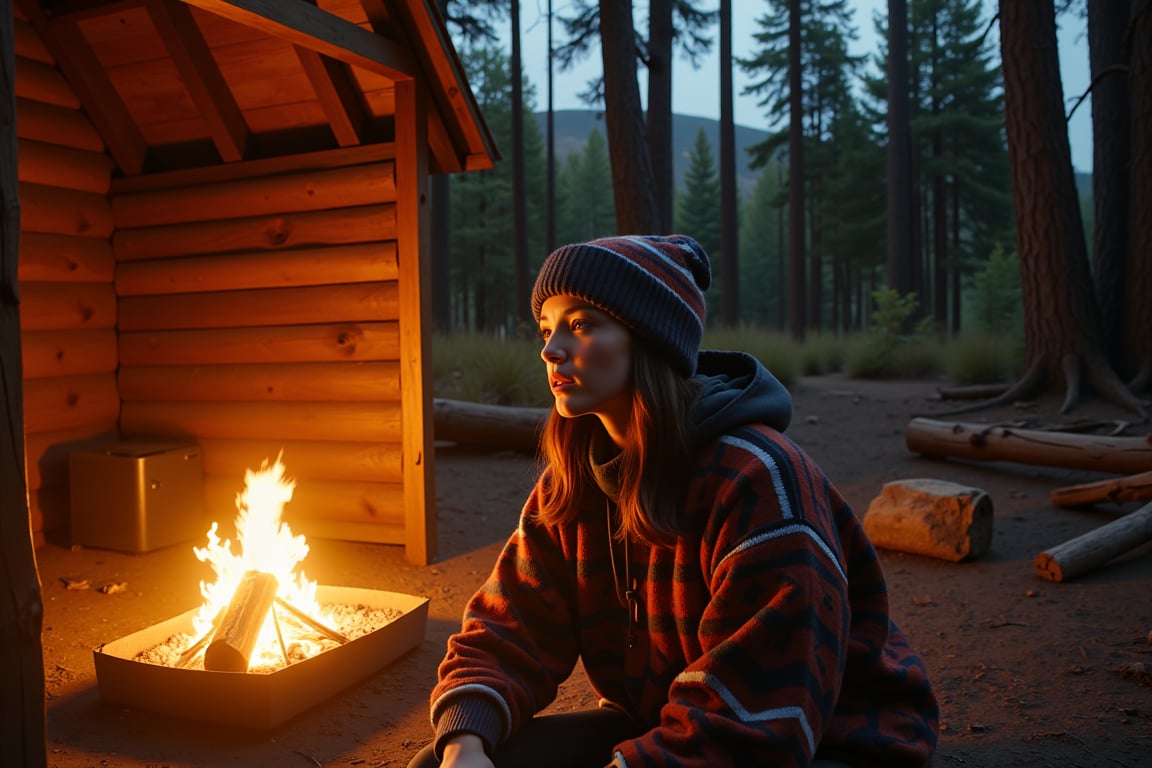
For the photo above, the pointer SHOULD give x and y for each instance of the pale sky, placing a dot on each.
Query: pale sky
(696, 91)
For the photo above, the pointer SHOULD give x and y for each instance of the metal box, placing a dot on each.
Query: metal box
(137, 496)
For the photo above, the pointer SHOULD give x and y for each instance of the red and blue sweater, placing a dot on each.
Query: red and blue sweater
(763, 636)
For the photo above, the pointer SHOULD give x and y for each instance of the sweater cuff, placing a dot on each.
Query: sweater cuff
(469, 714)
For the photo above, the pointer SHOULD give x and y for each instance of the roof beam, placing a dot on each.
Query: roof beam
(99, 98)
(303, 24)
(338, 95)
(201, 76)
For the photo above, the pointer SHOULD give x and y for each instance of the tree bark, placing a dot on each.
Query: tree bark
(797, 258)
(22, 713)
(982, 442)
(659, 117)
(624, 119)
(1116, 491)
(1139, 275)
(1107, 20)
(1095, 548)
(900, 218)
(1063, 342)
(729, 203)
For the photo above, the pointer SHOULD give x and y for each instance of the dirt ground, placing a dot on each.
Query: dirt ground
(1028, 672)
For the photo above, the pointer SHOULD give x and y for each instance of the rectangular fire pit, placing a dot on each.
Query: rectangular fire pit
(254, 700)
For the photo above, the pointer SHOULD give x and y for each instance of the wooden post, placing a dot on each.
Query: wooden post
(231, 646)
(1096, 548)
(23, 730)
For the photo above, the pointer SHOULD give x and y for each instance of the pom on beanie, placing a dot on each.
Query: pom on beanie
(653, 285)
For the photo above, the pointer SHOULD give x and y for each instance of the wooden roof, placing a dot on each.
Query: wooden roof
(174, 84)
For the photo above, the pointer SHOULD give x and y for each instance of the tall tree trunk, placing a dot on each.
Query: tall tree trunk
(523, 307)
(627, 148)
(901, 221)
(1139, 305)
(939, 200)
(659, 117)
(1107, 21)
(1061, 323)
(954, 190)
(796, 231)
(729, 206)
(22, 716)
(550, 138)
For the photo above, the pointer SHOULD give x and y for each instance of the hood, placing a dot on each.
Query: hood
(737, 390)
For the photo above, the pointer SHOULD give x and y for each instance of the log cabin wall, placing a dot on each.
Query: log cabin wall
(259, 314)
(68, 300)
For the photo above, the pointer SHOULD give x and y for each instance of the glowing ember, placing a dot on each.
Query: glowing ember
(266, 545)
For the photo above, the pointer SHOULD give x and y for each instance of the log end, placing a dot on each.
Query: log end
(1048, 567)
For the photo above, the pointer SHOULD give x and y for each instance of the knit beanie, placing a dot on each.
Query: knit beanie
(652, 285)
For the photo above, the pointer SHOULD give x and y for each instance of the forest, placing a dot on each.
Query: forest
(935, 170)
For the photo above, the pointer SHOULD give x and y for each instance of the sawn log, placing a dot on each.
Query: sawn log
(231, 647)
(1117, 490)
(493, 426)
(983, 442)
(1095, 548)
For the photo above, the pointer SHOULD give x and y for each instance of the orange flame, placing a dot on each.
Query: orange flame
(268, 545)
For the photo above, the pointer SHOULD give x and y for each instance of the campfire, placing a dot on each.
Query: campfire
(261, 618)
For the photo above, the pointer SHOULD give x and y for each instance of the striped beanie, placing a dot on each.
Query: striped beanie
(653, 285)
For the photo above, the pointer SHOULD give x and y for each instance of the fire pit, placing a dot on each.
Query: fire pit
(266, 644)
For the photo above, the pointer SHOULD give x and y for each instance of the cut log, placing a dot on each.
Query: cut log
(931, 517)
(972, 392)
(1116, 490)
(493, 426)
(983, 442)
(231, 646)
(1096, 548)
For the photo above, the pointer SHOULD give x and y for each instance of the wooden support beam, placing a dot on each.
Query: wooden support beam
(93, 88)
(339, 97)
(202, 78)
(303, 24)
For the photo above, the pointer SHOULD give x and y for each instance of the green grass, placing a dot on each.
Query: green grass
(486, 369)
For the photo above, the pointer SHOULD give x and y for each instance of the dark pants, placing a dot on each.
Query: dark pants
(581, 739)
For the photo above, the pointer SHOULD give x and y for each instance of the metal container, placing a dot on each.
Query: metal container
(137, 496)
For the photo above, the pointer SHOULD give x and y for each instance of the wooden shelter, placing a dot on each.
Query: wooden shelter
(224, 237)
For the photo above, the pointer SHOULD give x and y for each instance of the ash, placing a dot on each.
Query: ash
(352, 621)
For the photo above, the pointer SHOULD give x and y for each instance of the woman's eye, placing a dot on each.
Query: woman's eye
(579, 325)
(545, 333)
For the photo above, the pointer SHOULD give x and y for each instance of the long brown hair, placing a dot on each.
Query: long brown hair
(655, 461)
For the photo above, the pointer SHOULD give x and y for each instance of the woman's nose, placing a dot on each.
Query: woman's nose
(552, 352)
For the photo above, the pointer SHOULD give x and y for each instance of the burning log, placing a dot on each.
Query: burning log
(1116, 490)
(983, 442)
(1096, 548)
(331, 634)
(240, 626)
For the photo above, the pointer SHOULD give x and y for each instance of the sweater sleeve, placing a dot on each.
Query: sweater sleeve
(515, 645)
(774, 636)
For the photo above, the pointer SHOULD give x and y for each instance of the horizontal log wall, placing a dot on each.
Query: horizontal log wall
(66, 271)
(258, 315)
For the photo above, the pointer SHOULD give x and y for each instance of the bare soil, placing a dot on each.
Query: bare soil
(1028, 672)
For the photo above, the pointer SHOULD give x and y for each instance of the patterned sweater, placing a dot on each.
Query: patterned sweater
(763, 637)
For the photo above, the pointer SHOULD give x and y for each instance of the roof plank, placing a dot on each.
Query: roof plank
(338, 96)
(305, 25)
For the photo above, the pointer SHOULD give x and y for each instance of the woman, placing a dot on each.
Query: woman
(723, 598)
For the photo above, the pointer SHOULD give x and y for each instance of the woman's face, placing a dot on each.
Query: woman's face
(589, 361)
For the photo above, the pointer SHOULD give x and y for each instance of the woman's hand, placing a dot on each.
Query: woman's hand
(465, 751)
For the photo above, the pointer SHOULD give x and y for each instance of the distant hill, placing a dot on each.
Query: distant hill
(573, 126)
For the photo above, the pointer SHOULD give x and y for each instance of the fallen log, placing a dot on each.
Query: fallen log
(231, 647)
(971, 392)
(936, 518)
(494, 426)
(1096, 548)
(1116, 490)
(984, 442)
